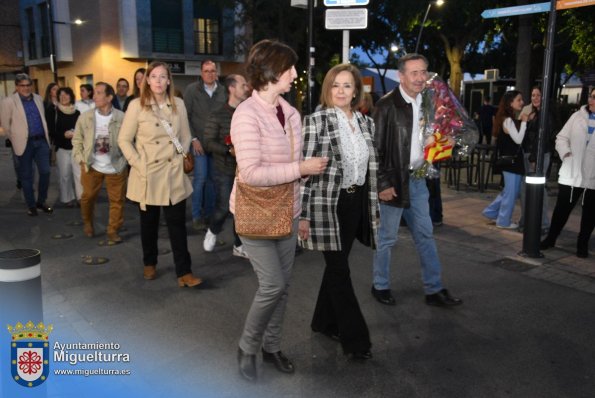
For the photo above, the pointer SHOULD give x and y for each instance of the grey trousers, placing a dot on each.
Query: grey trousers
(272, 260)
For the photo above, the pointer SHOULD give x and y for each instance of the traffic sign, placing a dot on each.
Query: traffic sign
(564, 4)
(345, 3)
(517, 10)
(346, 18)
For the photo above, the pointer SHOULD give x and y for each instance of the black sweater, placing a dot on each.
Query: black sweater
(58, 123)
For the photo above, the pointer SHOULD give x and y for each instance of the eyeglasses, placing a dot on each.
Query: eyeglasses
(209, 71)
(23, 85)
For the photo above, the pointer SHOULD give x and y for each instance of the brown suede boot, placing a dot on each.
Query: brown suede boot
(189, 280)
(88, 230)
(114, 238)
(150, 273)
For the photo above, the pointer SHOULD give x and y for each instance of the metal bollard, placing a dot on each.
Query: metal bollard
(533, 208)
(20, 301)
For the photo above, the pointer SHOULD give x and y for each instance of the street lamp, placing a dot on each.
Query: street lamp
(421, 28)
(51, 23)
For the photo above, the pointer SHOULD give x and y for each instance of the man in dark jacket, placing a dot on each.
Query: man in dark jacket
(217, 141)
(486, 118)
(201, 99)
(399, 144)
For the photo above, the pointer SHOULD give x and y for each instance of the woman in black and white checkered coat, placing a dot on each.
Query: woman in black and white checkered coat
(341, 204)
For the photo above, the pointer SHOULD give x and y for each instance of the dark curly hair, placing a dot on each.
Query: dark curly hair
(267, 60)
(68, 91)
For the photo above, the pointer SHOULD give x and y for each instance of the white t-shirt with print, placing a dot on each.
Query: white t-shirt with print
(102, 160)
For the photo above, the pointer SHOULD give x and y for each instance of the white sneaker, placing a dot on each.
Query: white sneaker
(239, 251)
(210, 241)
(511, 226)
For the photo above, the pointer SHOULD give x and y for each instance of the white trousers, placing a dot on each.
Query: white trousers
(69, 176)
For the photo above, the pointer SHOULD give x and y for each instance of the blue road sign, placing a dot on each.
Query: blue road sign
(345, 3)
(518, 10)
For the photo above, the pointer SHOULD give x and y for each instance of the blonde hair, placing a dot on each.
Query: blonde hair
(146, 95)
(326, 97)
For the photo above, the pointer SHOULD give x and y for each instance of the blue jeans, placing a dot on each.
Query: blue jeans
(502, 207)
(419, 223)
(203, 195)
(37, 151)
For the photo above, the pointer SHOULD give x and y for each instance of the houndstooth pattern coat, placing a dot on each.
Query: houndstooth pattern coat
(320, 194)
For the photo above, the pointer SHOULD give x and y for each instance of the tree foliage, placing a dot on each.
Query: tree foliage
(455, 37)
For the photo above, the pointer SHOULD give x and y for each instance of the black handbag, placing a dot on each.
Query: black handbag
(509, 160)
(506, 161)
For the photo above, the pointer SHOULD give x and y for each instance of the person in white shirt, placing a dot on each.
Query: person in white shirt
(509, 133)
(95, 148)
(86, 101)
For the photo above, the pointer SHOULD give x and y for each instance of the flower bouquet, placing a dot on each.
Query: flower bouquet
(445, 128)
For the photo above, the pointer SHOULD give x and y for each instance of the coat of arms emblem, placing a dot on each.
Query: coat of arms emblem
(29, 353)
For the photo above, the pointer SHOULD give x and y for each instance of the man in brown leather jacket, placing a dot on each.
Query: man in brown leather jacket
(399, 144)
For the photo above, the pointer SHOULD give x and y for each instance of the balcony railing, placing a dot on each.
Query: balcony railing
(168, 41)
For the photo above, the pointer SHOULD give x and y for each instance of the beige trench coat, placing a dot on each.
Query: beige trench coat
(157, 172)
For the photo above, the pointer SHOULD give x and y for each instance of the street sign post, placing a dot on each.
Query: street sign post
(345, 3)
(517, 10)
(534, 8)
(564, 4)
(346, 18)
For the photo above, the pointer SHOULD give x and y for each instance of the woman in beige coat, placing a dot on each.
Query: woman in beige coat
(157, 178)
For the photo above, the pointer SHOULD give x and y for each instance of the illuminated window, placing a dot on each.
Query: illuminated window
(207, 28)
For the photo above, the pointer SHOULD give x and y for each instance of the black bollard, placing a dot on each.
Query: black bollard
(533, 209)
(20, 303)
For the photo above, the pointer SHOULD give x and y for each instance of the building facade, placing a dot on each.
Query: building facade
(116, 37)
(11, 50)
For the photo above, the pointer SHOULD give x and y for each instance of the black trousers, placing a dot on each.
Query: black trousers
(568, 197)
(175, 215)
(337, 309)
(223, 185)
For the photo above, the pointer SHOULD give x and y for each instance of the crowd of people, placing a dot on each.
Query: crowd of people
(516, 130)
(347, 171)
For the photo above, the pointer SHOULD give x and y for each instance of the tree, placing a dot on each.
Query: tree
(450, 32)
(455, 37)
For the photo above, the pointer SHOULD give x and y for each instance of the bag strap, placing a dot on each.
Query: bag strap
(170, 131)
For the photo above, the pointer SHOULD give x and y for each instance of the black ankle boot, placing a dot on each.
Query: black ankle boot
(582, 247)
(281, 362)
(247, 364)
(547, 243)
